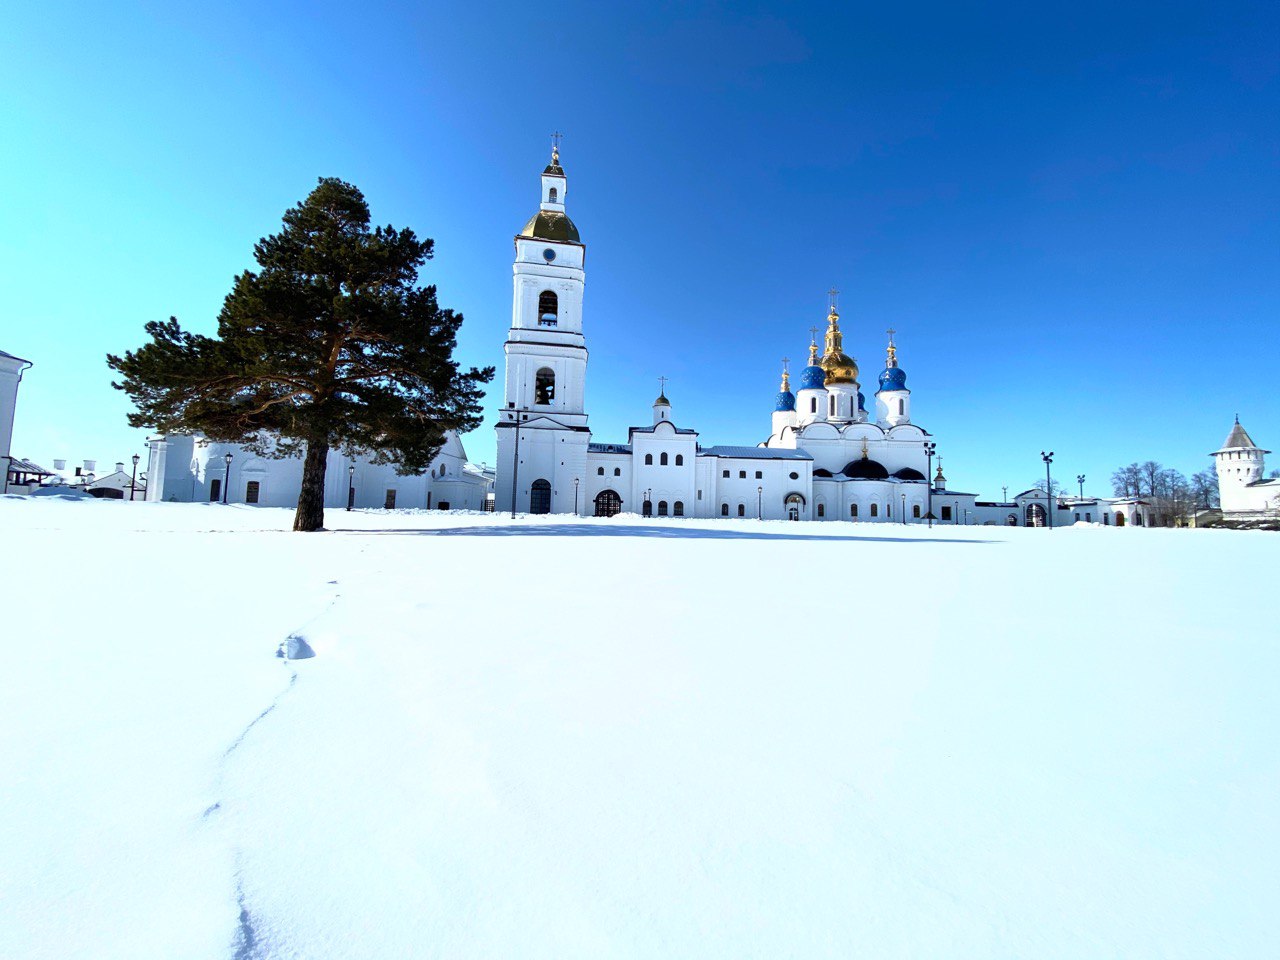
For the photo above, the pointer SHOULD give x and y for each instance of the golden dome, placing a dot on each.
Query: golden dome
(838, 365)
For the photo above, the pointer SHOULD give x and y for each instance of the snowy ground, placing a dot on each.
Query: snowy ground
(632, 738)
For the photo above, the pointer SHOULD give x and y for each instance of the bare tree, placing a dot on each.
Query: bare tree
(1127, 481)
(1204, 488)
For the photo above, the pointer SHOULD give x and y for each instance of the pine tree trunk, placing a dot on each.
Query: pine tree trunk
(310, 515)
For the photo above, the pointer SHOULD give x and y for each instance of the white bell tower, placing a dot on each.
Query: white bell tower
(543, 411)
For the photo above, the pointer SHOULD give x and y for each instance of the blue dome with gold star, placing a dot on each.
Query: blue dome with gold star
(893, 378)
(813, 377)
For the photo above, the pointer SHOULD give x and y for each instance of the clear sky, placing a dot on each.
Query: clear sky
(1069, 213)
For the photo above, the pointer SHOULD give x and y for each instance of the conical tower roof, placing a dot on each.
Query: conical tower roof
(1238, 438)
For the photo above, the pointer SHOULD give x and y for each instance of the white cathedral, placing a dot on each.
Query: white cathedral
(827, 457)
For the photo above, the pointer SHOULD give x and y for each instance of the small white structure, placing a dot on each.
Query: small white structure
(191, 469)
(11, 370)
(1243, 487)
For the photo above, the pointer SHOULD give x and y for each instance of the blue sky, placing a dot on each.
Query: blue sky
(1070, 214)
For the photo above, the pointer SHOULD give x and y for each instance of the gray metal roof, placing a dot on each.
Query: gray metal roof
(1239, 439)
(4, 353)
(754, 453)
(608, 448)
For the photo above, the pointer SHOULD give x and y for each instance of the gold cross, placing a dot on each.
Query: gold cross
(785, 361)
(555, 144)
(662, 386)
(833, 293)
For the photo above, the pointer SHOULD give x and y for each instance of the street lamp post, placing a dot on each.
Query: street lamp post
(1004, 492)
(351, 486)
(1048, 487)
(904, 509)
(575, 496)
(133, 478)
(759, 503)
(1080, 480)
(648, 510)
(226, 478)
(515, 467)
(929, 450)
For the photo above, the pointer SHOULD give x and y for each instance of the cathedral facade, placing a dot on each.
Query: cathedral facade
(827, 457)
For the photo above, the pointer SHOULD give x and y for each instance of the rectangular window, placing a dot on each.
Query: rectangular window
(251, 491)
(759, 475)
(215, 491)
(390, 503)
(726, 474)
(742, 474)
(946, 513)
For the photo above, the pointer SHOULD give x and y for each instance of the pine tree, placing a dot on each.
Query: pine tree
(330, 344)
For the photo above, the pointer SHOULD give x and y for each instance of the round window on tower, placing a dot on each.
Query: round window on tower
(549, 254)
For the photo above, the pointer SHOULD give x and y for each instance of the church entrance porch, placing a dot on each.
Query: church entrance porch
(793, 504)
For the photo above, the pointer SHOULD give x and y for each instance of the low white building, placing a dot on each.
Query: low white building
(1245, 491)
(190, 469)
(11, 370)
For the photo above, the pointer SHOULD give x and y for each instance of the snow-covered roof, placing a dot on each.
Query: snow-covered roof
(754, 453)
(26, 466)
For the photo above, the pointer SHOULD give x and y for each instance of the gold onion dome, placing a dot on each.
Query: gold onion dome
(838, 365)
(549, 225)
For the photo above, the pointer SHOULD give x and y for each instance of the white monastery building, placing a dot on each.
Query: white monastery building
(827, 457)
(189, 469)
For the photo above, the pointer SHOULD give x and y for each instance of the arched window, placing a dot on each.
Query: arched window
(647, 509)
(548, 309)
(599, 471)
(551, 196)
(831, 404)
(677, 508)
(608, 503)
(662, 461)
(915, 511)
(540, 497)
(902, 406)
(853, 511)
(648, 459)
(875, 509)
(813, 404)
(662, 508)
(822, 510)
(742, 509)
(724, 509)
(679, 459)
(544, 386)
(617, 471)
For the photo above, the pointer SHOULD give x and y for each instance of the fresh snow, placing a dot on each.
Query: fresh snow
(631, 738)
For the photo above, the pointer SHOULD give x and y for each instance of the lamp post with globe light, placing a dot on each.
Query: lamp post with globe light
(226, 478)
(351, 486)
(133, 478)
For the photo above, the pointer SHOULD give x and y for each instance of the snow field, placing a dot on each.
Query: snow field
(631, 738)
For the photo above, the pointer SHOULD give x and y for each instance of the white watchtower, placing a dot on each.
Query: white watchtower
(543, 411)
(1240, 462)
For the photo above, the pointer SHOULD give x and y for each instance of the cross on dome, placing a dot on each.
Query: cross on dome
(556, 137)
